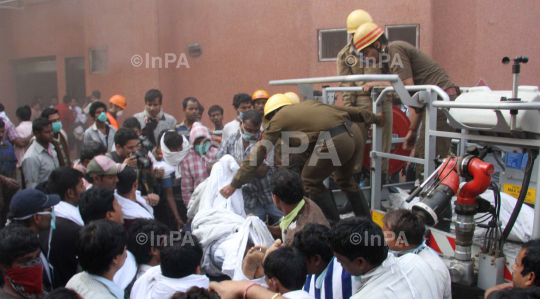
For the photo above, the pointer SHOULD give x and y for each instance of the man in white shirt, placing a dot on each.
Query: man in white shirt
(285, 270)
(242, 102)
(134, 206)
(359, 246)
(179, 271)
(146, 253)
(405, 234)
(101, 249)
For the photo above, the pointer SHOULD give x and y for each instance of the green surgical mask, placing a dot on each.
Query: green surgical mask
(203, 149)
(102, 117)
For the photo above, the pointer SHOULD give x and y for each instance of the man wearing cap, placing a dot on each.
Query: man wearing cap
(40, 159)
(260, 97)
(34, 209)
(102, 172)
(333, 146)
(117, 105)
(348, 63)
(413, 67)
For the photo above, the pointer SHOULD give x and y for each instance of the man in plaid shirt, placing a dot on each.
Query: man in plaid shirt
(257, 194)
(194, 166)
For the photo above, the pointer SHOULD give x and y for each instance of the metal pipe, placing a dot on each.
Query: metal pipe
(12, 7)
(495, 105)
(440, 92)
(8, 1)
(515, 84)
(336, 79)
(397, 157)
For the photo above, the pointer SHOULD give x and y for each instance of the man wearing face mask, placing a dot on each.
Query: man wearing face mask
(194, 166)
(20, 263)
(257, 194)
(34, 209)
(60, 140)
(100, 131)
(242, 102)
(117, 105)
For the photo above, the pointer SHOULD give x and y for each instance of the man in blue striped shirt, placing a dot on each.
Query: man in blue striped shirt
(326, 278)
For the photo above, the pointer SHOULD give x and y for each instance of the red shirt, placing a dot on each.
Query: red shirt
(66, 115)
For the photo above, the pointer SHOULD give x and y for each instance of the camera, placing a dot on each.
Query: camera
(144, 146)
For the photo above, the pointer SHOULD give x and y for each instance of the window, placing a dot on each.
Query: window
(331, 41)
(99, 60)
(408, 33)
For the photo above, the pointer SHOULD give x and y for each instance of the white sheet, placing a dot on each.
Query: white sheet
(207, 195)
(153, 285)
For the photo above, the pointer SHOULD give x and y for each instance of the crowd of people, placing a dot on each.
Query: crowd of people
(160, 209)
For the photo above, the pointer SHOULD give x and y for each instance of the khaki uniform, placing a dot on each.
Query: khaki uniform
(316, 117)
(407, 61)
(348, 63)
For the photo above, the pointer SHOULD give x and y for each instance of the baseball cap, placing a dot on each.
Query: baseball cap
(28, 202)
(103, 165)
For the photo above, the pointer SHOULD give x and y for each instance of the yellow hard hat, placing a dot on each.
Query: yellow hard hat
(356, 19)
(119, 101)
(293, 97)
(366, 35)
(260, 94)
(275, 102)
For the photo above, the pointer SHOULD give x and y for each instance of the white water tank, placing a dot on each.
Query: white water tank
(527, 120)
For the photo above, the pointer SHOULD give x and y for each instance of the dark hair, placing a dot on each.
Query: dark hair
(405, 222)
(195, 293)
(189, 99)
(67, 99)
(126, 179)
(287, 185)
(48, 112)
(92, 148)
(96, 94)
(16, 241)
(531, 260)
(382, 39)
(24, 113)
(131, 122)
(371, 247)
(146, 227)
(518, 293)
(2, 125)
(173, 139)
(180, 258)
(215, 108)
(152, 94)
(95, 105)
(39, 124)
(95, 203)
(313, 240)
(240, 98)
(98, 243)
(288, 266)
(201, 108)
(63, 179)
(1, 107)
(253, 116)
(62, 293)
(124, 135)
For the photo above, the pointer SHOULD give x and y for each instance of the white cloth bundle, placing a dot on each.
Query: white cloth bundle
(235, 245)
(207, 195)
(153, 285)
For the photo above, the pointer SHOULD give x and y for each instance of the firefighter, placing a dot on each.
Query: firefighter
(117, 105)
(349, 64)
(259, 100)
(328, 130)
(413, 67)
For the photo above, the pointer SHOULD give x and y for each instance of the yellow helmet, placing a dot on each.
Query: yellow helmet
(293, 97)
(275, 102)
(356, 19)
(366, 35)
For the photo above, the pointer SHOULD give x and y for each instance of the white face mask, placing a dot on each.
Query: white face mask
(119, 113)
